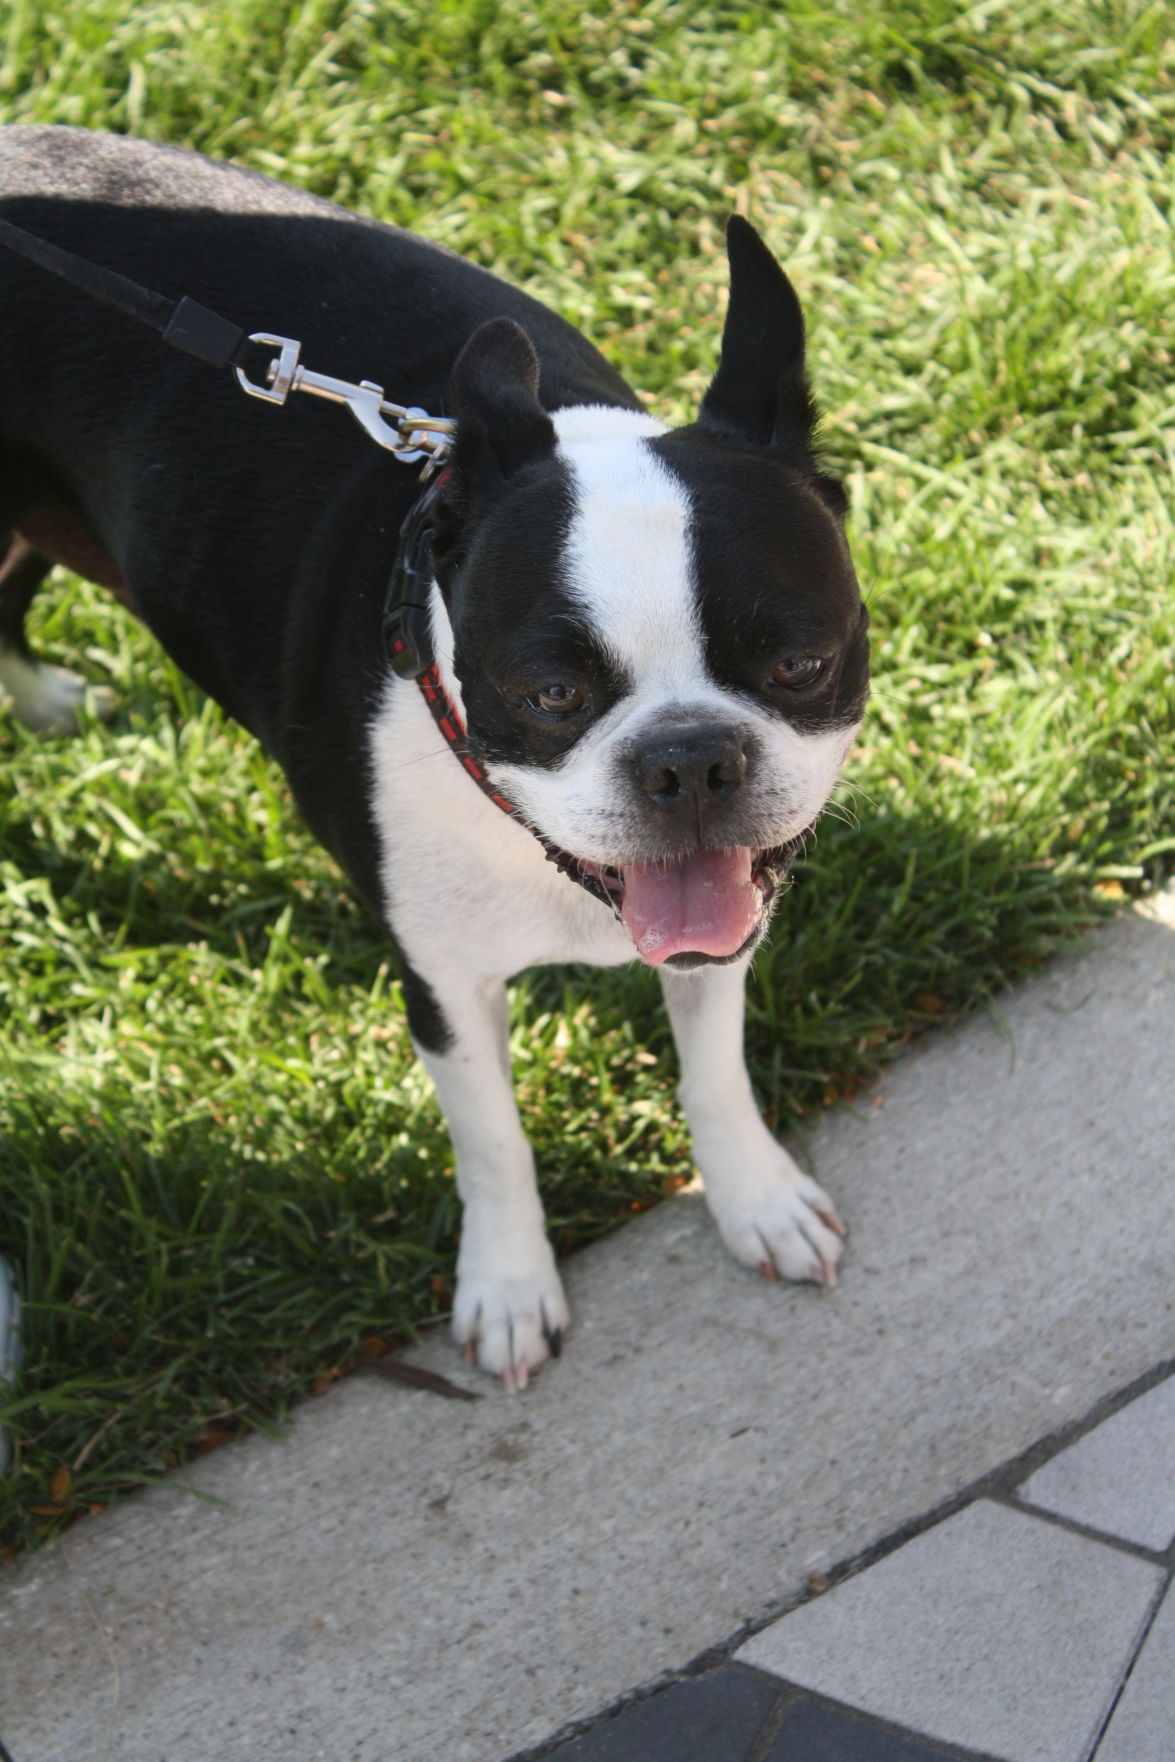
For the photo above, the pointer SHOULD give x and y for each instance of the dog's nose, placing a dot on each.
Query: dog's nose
(691, 769)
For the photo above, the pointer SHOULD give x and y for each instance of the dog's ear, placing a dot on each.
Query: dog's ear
(493, 393)
(760, 392)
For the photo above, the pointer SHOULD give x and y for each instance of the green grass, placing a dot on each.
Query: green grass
(220, 1168)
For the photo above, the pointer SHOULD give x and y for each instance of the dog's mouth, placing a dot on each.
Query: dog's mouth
(709, 905)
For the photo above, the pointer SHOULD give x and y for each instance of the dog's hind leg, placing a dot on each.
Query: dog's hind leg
(45, 698)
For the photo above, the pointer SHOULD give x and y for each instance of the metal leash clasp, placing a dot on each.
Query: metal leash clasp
(412, 434)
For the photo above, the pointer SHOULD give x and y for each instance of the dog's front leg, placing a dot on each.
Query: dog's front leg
(509, 1311)
(769, 1213)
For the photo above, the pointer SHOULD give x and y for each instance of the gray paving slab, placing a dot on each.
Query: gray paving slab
(1143, 1726)
(410, 1577)
(995, 1629)
(1120, 1477)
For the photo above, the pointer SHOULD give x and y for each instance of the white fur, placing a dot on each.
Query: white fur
(50, 700)
(628, 552)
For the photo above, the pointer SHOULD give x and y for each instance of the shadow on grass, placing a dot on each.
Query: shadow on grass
(175, 1292)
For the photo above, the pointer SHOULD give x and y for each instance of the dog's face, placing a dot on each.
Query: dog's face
(658, 635)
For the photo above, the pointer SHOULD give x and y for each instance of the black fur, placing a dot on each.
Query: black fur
(774, 576)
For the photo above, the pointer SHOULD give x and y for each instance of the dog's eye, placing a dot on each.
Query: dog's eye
(798, 670)
(558, 700)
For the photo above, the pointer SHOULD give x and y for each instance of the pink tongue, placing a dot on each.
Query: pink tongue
(704, 904)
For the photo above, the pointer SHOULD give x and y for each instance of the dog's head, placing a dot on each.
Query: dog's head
(658, 636)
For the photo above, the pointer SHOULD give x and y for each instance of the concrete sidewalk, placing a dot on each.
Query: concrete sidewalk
(407, 1577)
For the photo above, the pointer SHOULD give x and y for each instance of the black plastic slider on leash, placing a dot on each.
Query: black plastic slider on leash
(185, 324)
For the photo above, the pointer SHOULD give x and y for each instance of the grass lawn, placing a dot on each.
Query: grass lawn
(220, 1167)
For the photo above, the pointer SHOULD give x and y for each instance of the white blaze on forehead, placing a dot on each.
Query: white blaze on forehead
(629, 557)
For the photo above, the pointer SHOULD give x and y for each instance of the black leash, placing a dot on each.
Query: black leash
(184, 323)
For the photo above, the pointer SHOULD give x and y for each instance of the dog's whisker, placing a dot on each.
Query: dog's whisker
(440, 752)
(842, 813)
(856, 790)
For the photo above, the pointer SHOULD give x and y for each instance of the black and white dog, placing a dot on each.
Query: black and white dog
(649, 642)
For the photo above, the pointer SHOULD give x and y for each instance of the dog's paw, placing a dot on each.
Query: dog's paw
(509, 1313)
(785, 1225)
(52, 700)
